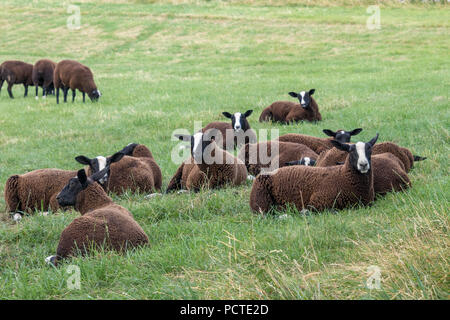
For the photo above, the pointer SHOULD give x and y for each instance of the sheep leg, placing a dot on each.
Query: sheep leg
(84, 97)
(66, 91)
(73, 95)
(26, 90)
(57, 95)
(10, 84)
(1, 84)
(37, 92)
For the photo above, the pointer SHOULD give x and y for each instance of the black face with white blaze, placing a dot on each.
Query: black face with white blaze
(95, 95)
(99, 163)
(359, 154)
(342, 135)
(199, 142)
(304, 97)
(239, 120)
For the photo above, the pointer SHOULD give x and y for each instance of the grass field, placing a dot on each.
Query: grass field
(162, 66)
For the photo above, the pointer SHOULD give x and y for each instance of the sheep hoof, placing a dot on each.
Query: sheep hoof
(50, 260)
(250, 177)
(17, 217)
(182, 191)
(152, 195)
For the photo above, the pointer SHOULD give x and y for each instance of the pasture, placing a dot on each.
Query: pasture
(162, 66)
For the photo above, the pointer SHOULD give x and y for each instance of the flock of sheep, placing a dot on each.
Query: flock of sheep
(311, 173)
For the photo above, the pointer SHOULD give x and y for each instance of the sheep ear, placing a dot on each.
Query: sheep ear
(328, 132)
(293, 94)
(248, 113)
(312, 162)
(341, 146)
(116, 157)
(311, 92)
(292, 163)
(183, 137)
(374, 140)
(355, 132)
(227, 115)
(339, 163)
(83, 160)
(81, 174)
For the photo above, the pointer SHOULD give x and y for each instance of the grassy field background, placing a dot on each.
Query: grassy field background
(161, 66)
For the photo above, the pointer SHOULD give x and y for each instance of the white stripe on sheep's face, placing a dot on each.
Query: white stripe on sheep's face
(304, 97)
(99, 163)
(199, 142)
(359, 154)
(342, 135)
(239, 120)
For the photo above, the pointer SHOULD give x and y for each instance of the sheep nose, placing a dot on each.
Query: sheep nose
(364, 165)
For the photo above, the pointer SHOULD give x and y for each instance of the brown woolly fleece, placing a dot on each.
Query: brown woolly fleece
(313, 188)
(193, 176)
(388, 170)
(103, 223)
(36, 190)
(287, 151)
(16, 72)
(43, 73)
(74, 75)
(287, 111)
(316, 144)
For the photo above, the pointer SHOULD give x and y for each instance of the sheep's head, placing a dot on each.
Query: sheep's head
(342, 135)
(304, 97)
(359, 153)
(94, 95)
(99, 163)
(199, 144)
(239, 120)
(305, 161)
(68, 195)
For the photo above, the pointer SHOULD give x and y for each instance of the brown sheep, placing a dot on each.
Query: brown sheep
(43, 76)
(136, 171)
(102, 223)
(70, 74)
(235, 134)
(319, 145)
(316, 188)
(259, 156)
(209, 166)
(16, 72)
(287, 111)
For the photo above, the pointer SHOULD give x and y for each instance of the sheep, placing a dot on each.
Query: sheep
(305, 161)
(137, 170)
(287, 111)
(70, 74)
(16, 72)
(43, 76)
(319, 145)
(316, 188)
(102, 223)
(209, 166)
(235, 134)
(271, 154)
(37, 190)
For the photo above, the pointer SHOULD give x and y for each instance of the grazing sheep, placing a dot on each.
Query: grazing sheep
(209, 166)
(136, 170)
(270, 155)
(318, 188)
(70, 74)
(102, 223)
(287, 111)
(239, 131)
(16, 72)
(43, 76)
(319, 145)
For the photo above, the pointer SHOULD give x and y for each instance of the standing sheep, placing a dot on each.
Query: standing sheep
(43, 76)
(102, 223)
(318, 188)
(16, 72)
(287, 111)
(70, 74)
(209, 166)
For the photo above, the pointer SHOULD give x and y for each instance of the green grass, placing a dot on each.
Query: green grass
(163, 66)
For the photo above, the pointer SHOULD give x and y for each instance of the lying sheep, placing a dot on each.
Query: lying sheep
(318, 188)
(70, 74)
(136, 171)
(319, 145)
(37, 190)
(43, 76)
(209, 166)
(305, 161)
(272, 154)
(235, 134)
(287, 111)
(16, 72)
(102, 223)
